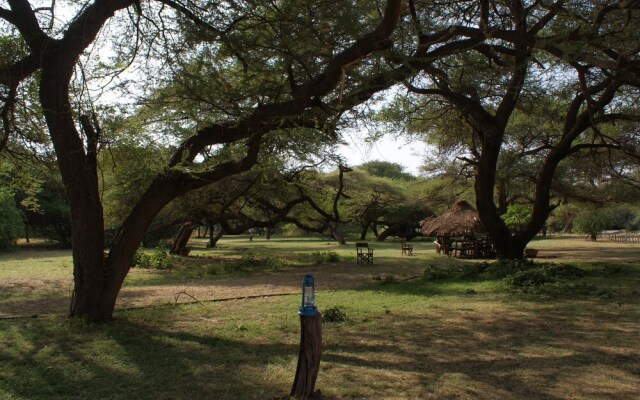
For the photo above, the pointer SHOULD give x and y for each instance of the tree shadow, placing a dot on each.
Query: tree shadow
(513, 354)
(45, 304)
(130, 360)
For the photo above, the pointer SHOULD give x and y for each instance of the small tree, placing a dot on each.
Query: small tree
(592, 220)
(10, 222)
(517, 216)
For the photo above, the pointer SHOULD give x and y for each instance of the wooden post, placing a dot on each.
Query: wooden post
(309, 356)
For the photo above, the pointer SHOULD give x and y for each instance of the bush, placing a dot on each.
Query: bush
(333, 314)
(435, 272)
(528, 278)
(250, 262)
(563, 270)
(322, 257)
(158, 259)
(504, 268)
(549, 279)
(141, 259)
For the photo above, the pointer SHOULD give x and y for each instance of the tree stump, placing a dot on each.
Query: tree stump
(309, 356)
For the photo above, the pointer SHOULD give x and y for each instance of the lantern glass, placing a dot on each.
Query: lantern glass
(308, 296)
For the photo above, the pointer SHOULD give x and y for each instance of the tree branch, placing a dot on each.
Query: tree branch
(269, 117)
(24, 19)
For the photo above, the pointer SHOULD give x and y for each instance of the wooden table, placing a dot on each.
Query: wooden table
(472, 248)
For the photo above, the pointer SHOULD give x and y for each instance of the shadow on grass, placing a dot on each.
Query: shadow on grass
(508, 353)
(68, 360)
(613, 281)
(599, 252)
(463, 348)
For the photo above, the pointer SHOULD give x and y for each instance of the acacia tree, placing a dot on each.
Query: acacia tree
(580, 52)
(301, 96)
(260, 198)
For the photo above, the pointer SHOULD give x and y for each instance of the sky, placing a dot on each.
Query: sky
(388, 148)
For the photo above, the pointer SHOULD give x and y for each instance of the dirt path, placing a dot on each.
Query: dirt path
(52, 296)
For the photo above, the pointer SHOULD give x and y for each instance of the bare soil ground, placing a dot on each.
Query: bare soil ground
(50, 295)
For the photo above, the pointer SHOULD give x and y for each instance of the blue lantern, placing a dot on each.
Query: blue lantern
(308, 306)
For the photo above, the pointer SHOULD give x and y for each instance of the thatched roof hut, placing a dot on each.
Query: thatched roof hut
(461, 220)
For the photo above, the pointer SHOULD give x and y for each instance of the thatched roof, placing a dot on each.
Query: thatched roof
(461, 220)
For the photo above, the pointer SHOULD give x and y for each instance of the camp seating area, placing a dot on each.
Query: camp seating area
(465, 247)
(364, 254)
(407, 249)
(471, 248)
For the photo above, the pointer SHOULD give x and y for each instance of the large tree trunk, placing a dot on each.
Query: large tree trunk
(182, 237)
(490, 129)
(501, 193)
(79, 174)
(568, 222)
(390, 231)
(214, 235)
(213, 239)
(126, 241)
(210, 229)
(363, 232)
(374, 228)
(268, 231)
(503, 241)
(333, 227)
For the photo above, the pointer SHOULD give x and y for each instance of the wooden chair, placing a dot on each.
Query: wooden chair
(364, 254)
(407, 249)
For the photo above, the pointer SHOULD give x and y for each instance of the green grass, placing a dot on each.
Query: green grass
(453, 338)
(36, 264)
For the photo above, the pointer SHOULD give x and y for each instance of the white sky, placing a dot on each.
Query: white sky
(400, 151)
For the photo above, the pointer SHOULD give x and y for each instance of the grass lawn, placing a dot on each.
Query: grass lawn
(468, 336)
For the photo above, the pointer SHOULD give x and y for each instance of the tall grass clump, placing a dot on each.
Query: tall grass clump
(323, 257)
(249, 263)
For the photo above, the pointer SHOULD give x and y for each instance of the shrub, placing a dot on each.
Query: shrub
(550, 279)
(528, 278)
(158, 259)
(333, 314)
(250, 262)
(435, 272)
(321, 257)
(564, 270)
(141, 259)
(503, 267)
